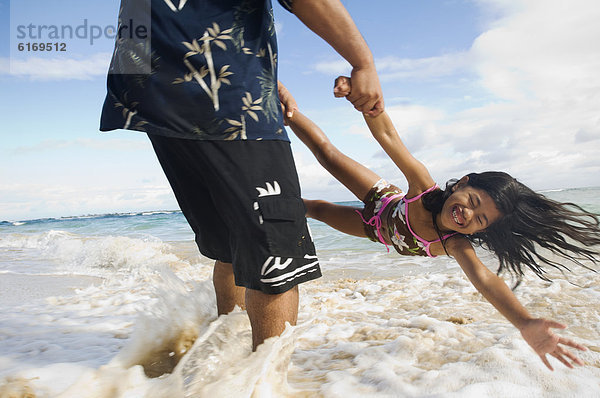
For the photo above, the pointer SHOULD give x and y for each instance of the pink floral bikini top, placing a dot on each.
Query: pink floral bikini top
(399, 231)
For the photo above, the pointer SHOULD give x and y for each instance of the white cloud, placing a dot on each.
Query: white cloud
(540, 143)
(392, 68)
(25, 201)
(543, 49)
(585, 134)
(539, 61)
(314, 179)
(408, 118)
(57, 68)
(333, 68)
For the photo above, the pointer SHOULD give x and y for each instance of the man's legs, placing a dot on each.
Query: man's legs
(268, 313)
(228, 294)
(242, 200)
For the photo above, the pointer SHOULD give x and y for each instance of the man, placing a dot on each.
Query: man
(203, 85)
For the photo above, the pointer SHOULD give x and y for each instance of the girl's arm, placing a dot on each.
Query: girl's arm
(356, 177)
(385, 133)
(536, 332)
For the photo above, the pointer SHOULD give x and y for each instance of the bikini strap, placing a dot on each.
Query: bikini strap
(444, 237)
(375, 221)
(435, 186)
(425, 243)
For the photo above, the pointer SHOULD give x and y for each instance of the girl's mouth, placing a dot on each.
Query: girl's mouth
(457, 216)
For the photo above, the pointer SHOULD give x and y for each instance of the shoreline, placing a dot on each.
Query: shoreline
(16, 289)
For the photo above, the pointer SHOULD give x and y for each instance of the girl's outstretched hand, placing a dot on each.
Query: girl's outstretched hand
(538, 335)
(288, 103)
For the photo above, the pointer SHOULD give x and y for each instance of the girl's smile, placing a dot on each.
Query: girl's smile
(457, 216)
(468, 210)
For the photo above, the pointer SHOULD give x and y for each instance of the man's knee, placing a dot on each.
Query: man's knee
(222, 273)
(260, 296)
(280, 307)
(269, 313)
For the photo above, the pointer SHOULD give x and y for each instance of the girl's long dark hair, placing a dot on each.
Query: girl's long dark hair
(529, 221)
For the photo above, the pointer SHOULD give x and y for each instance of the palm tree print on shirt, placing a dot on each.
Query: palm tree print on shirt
(217, 37)
(172, 6)
(239, 127)
(221, 85)
(268, 85)
(129, 112)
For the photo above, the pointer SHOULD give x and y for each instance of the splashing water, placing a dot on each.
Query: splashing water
(133, 315)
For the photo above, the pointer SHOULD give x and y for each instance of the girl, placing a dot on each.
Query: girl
(490, 209)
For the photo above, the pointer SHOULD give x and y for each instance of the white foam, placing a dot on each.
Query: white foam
(69, 253)
(412, 335)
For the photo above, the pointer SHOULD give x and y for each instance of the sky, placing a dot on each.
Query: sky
(471, 85)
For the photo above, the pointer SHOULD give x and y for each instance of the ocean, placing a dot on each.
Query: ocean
(122, 305)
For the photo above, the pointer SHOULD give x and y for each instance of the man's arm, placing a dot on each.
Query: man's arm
(330, 20)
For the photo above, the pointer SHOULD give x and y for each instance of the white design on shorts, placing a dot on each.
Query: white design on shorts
(260, 219)
(289, 276)
(271, 190)
(276, 265)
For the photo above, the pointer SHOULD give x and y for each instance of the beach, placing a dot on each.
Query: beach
(16, 289)
(122, 305)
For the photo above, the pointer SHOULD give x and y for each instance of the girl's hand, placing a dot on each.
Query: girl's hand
(369, 105)
(342, 87)
(538, 335)
(288, 103)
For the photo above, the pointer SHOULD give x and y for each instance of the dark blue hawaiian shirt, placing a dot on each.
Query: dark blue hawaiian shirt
(205, 69)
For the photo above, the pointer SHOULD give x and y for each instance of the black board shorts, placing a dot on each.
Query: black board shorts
(242, 200)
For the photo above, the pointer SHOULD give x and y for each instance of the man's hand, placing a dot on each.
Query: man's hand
(330, 20)
(538, 335)
(366, 95)
(370, 101)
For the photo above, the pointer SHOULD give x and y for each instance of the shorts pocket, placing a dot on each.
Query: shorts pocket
(284, 222)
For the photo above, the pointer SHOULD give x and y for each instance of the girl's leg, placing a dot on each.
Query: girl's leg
(343, 218)
(356, 177)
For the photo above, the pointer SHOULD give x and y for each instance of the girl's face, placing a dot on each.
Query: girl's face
(468, 210)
